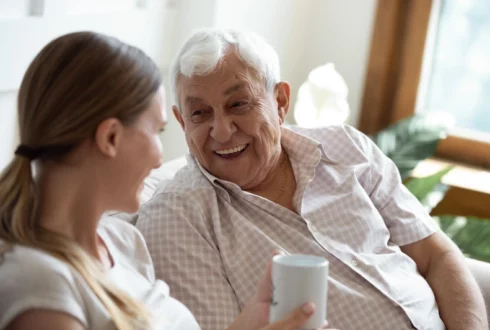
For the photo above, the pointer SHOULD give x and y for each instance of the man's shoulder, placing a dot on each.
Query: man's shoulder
(187, 201)
(326, 134)
(340, 143)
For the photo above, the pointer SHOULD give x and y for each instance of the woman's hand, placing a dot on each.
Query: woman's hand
(295, 319)
(255, 315)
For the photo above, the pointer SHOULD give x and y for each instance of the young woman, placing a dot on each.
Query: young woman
(90, 112)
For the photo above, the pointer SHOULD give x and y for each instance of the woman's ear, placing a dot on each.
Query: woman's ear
(108, 137)
(282, 94)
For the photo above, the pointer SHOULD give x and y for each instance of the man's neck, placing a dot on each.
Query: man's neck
(273, 186)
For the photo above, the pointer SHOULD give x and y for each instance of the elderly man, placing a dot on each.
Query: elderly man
(252, 186)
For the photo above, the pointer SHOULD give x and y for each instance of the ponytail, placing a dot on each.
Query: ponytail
(16, 196)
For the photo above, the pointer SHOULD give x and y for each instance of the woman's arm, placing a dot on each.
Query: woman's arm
(44, 320)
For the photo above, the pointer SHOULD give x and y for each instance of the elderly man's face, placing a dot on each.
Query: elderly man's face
(232, 122)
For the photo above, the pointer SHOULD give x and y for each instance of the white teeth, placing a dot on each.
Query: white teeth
(230, 151)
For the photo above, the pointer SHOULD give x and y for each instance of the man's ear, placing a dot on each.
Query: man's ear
(108, 136)
(178, 116)
(282, 95)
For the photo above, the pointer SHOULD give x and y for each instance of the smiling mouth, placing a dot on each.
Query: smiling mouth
(232, 152)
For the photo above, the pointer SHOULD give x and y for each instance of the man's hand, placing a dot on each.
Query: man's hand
(458, 296)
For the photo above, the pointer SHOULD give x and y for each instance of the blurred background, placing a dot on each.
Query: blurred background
(305, 33)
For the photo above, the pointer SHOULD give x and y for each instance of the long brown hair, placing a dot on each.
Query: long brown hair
(74, 83)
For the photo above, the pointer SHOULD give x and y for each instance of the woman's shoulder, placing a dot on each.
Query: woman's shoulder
(21, 261)
(32, 278)
(122, 234)
(126, 242)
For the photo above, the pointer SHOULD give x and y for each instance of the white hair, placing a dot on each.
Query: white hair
(205, 48)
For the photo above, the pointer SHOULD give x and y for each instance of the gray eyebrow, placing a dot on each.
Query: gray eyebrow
(189, 99)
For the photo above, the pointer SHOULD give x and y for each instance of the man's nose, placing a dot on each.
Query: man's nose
(222, 128)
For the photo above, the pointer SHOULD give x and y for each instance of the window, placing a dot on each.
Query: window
(456, 79)
(433, 56)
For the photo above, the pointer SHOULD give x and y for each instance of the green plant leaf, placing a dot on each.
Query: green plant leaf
(409, 141)
(422, 187)
(471, 235)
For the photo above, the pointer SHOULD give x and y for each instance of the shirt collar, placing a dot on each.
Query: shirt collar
(300, 149)
(222, 185)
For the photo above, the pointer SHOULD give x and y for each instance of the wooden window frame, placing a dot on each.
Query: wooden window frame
(393, 76)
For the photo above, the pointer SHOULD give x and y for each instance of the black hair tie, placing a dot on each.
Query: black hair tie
(28, 152)
(49, 151)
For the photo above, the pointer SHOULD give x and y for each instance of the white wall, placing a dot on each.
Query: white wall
(22, 36)
(342, 36)
(8, 126)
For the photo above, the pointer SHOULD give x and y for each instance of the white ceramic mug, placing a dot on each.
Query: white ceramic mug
(298, 279)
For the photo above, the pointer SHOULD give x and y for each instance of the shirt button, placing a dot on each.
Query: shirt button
(313, 229)
(353, 263)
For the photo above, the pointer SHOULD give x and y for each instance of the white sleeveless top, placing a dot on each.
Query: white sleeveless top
(31, 278)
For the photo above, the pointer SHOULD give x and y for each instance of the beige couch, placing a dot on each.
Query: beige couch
(480, 270)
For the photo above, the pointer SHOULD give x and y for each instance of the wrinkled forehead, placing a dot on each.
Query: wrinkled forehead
(230, 70)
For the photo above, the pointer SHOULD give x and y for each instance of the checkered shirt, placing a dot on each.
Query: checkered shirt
(211, 241)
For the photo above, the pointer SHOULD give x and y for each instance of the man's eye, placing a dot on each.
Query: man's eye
(200, 116)
(238, 104)
(197, 113)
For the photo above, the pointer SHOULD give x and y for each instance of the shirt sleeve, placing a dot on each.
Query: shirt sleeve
(186, 256)
(405, 217)
(33, 280)
(129, 244)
